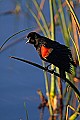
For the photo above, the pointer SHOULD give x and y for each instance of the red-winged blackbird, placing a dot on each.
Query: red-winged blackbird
(52, 52)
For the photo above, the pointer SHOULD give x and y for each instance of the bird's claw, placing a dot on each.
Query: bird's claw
(46, 68)
(52, 70)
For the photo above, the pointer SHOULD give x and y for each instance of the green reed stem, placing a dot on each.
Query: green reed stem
(26, 111)
(77, 52)
(42, 17)
(63, 24)
(52, 19)
(68, 97)
(38, 22)
(52, 88)
(76, 114)
(47, 90)
(74, 15)
(14, 35)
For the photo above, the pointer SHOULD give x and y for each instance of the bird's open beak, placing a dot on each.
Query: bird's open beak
(27, 40)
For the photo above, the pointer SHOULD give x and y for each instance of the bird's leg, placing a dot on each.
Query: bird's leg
(48, 66)
(52, 70)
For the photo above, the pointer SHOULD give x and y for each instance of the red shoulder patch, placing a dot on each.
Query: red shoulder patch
(45, 51)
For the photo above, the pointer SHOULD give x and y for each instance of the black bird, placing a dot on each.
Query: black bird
(52, 52)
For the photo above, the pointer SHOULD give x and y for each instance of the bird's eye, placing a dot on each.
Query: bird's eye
(31, 41)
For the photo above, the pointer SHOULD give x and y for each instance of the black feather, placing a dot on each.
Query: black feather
(60, 55)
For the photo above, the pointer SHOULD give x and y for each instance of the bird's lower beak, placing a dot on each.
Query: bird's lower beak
(27, 41)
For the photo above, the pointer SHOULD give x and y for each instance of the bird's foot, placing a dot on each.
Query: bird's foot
(47, 67)
(51, 70)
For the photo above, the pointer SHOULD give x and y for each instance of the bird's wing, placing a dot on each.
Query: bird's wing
(45, 51)
(58, 51)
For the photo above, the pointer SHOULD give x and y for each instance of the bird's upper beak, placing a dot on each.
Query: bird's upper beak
(27, 40)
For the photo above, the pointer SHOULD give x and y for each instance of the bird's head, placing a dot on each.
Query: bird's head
(32, 37)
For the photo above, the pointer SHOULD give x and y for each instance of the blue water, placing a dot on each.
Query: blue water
(18, 81)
